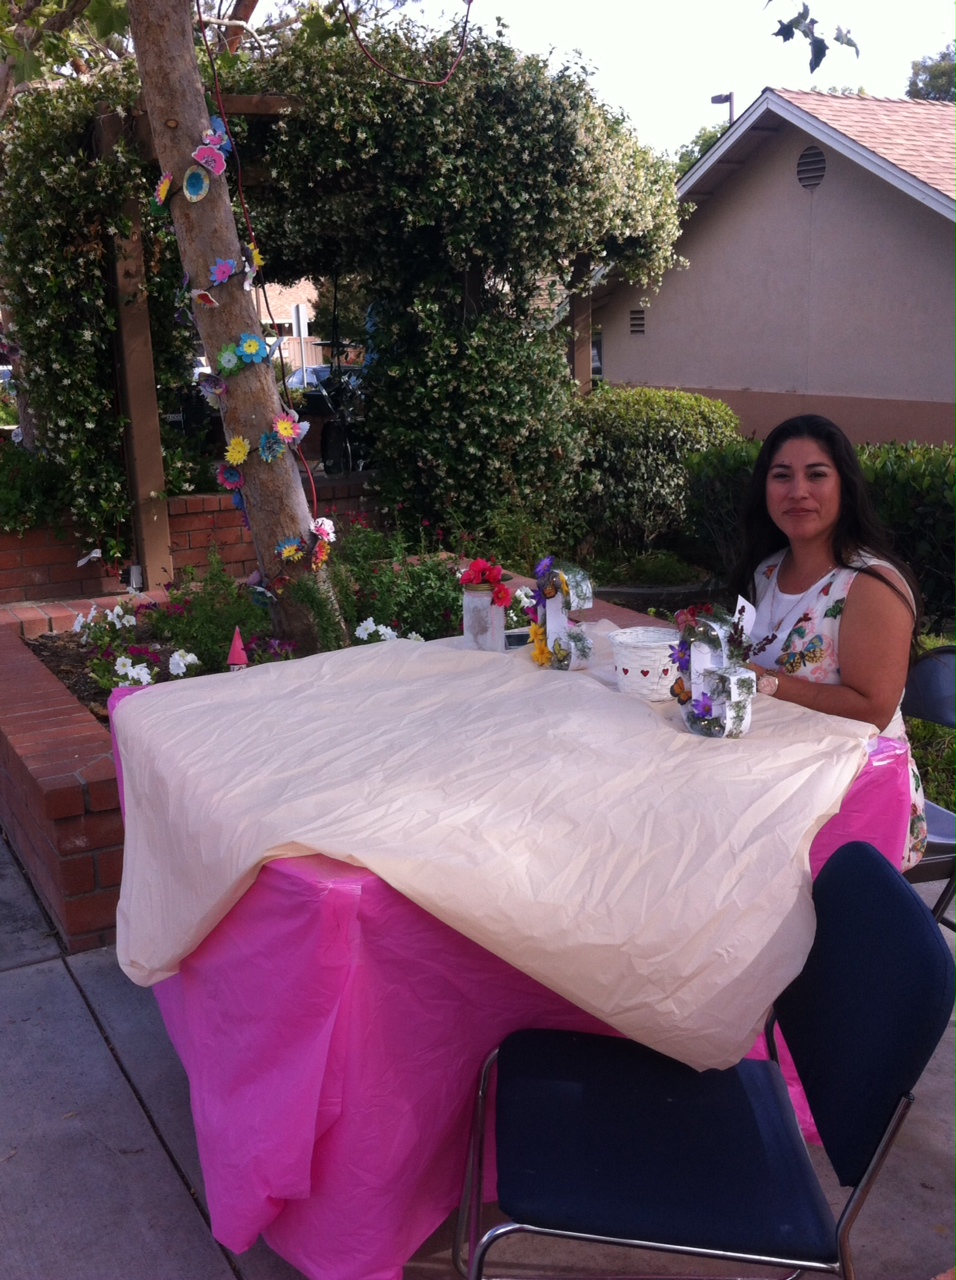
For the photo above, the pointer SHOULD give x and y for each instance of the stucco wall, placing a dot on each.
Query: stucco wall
(843, 291)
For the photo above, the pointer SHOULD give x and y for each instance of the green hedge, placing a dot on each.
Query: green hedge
(633, 483)
(912, 488)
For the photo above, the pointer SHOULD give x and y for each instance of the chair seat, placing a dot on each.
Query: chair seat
(941, 826)
(710, 1160)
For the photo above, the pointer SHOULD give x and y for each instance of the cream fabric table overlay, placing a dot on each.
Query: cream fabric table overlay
(656, 879)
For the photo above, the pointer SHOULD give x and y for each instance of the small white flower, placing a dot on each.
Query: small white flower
(386, 632)
(179, 661)
(124, 665)
(128, 620)
(413, 635)
(523, 596)
(141, 674)
(365, 629)
(79, 622)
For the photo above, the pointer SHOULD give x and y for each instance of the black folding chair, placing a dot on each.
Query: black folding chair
(930, 696)
(601, 1139)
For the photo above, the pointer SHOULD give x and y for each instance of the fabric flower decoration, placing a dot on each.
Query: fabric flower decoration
(222, 269)
(162, 188)
(195, 184)
(229, 477)
(271, 447)
(229, 361)
(323, 528)
(501, 596)
(251, 349)
(286, 426)
(210, 158)
(237, 451)
(290, 549)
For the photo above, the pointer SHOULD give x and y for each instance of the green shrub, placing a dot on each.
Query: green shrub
(717, 481)
(32, 490)
(637, 439)
(202, 617)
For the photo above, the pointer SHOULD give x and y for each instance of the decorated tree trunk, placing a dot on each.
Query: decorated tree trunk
(207, 234)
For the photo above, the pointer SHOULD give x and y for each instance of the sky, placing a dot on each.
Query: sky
(660, 63)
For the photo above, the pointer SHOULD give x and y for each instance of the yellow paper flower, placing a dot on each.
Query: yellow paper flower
(237, 451)
(257, 259)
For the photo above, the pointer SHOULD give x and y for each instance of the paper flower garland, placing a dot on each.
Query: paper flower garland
(210, 158)
(222, 269)
(228, 361)
(287, 427)
(323, 528)
(217, 136)
(271, 447)
(203, 298)
(195, 184)
(158, 200)
(212, 387)
(320, 553)
(229, 477)
(251, 349)
(237, 451)
(290, 549)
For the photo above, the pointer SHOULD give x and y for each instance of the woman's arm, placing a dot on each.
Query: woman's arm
(875, 633)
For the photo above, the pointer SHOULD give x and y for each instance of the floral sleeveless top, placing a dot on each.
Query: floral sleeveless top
(807, 627)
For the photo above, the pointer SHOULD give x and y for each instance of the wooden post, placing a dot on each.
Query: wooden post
(137, 381)
(580, 317)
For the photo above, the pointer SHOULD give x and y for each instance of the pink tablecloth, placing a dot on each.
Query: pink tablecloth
(332, 1032)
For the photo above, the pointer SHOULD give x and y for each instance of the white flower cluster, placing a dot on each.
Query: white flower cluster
(138, 674)
(179, 661)
(371, 630)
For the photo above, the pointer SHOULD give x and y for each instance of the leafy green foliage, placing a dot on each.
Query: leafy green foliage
(637, 440)
(31, 489)
(376, 575)
(60, 205)
(717, 482)
(699, 145)
(933, 79)
(202, 617)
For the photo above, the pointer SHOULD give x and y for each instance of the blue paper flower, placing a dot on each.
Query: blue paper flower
(271, 447)
(251, 349)
(195, 183)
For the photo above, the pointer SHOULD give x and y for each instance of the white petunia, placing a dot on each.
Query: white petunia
(141, 674)
(179, 661)
(365, 629)
(124, 665)
(386, 632)
(413, 635)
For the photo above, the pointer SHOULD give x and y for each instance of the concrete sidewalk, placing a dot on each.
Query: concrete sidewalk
(100, 1177)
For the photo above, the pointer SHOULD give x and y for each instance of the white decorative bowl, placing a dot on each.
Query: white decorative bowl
(642, 661)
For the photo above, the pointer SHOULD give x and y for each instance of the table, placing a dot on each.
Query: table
(332, 1029)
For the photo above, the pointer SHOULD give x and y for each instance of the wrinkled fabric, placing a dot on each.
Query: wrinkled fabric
(658, 880)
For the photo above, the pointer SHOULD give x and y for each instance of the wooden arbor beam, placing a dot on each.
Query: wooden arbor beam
(137, 384)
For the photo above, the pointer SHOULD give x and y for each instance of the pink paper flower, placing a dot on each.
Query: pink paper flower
(210, 158)
(222, 269)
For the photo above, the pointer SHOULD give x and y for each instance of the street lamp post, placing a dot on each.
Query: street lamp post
(719, 98)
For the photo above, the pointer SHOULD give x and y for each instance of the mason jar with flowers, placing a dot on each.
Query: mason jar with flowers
(484, 603)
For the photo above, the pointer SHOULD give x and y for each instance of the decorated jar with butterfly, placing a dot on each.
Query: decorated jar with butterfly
(713, 685)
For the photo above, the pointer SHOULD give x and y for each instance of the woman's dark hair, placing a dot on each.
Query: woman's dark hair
(858, 528)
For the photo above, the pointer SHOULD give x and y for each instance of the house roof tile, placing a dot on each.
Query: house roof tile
(917, 137)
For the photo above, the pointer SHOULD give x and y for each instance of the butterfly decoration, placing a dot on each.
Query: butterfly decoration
(680, 691)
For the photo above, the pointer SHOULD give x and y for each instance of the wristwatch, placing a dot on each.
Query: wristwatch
(767, 684)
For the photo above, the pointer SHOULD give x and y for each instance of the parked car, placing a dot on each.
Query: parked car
(309, 378)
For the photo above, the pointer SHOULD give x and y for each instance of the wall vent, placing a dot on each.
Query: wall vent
(637, 321)
(811, 167)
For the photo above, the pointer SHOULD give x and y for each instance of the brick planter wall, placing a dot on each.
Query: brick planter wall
(40, 566)
(59, 804)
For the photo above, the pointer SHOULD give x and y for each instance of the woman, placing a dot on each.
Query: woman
(840, 611)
